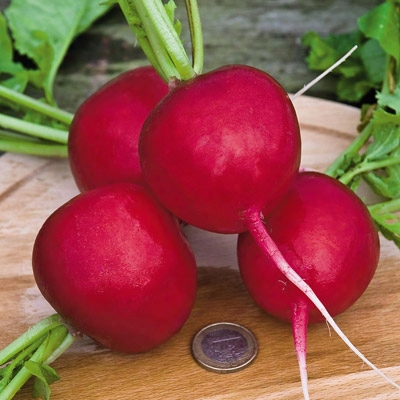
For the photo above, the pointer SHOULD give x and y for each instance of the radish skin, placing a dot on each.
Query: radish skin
(115, 265)
(104, 134)
(221, 136)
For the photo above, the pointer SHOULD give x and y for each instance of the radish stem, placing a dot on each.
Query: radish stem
(36, 105)
(158, 38)
(196, 34)
(32, 129)
(40, 344)
(336, 166)
(14, 143)
(257, 229)
(347, 177)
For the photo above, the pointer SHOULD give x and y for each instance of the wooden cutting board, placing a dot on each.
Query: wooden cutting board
(31, 188)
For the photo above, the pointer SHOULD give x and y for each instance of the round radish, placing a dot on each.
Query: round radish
(326, 234)
(209, 147)
(115, 265)
(103, 137)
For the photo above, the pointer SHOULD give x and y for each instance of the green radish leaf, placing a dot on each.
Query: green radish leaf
(353, 89)
(374, 61)
(389, 225)
(44, 377)
(386, 139)
(7, 64)
(44, 30)
(323, 52)
(6, 374)
(390, 101)
(382, 117)
(386, 185)
(94, 10)
(382, 24)
(374, 155)
(19, 77)
(170, 9)
(321, 55)
(362, 72)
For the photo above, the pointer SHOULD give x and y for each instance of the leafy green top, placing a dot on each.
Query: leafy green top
(374, 156)
(158, 34)
(43, 31)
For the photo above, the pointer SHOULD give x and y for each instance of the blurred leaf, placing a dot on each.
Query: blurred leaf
(44, 377)
(43, 31)
(382, 24)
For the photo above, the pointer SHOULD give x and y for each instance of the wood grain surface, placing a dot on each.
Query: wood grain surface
(31, 188)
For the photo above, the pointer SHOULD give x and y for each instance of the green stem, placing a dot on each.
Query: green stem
(163, 59)
(30, 128)
(353, 148)
(59, 55)
(31, 335)
(56, 336)
(35, 149)
(36, 105)
(158, 38)
(196, 34)
(385, 207)
(368, 166)
(131, 15)
(167, 36)
(61, 349)
(19, 358)
(42, 343)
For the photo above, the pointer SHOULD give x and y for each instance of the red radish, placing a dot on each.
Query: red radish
(115, 265)
(209, 147)
(103, 138)
(326, 234)
(220, 149)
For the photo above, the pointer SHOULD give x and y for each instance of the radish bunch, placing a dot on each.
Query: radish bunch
(221, 152)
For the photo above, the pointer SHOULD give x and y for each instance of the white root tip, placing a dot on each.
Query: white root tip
(326, 72)
(303, 375)
(299, 329)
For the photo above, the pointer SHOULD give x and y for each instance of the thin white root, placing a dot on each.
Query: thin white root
(326, 72)
(268, 246)
(303, 375)
(299, 328)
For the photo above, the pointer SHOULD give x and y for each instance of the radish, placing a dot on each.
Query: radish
(220, 150)
(115, 265)
(327, 235)
(102, 143)
(209, 147)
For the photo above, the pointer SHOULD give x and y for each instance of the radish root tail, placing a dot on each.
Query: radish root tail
(267, 245)
(299, 328)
